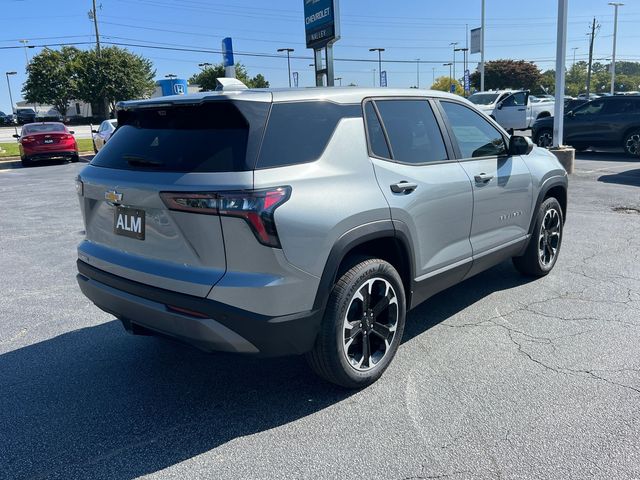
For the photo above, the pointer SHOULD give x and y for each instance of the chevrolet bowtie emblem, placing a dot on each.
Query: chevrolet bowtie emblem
(113, 196)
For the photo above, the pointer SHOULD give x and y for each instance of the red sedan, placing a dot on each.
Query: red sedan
(47, 141)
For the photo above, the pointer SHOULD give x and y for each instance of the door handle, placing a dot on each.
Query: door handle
(403, 187)
(482, 178)
(521, 109)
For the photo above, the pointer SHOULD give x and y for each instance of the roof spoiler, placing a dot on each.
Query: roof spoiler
(226, 84)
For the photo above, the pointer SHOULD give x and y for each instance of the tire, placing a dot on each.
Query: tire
(580, 148)
(544, 138)
(338, 355)
(631, 144)
(75, 158)
(25, 162)
(543, 248)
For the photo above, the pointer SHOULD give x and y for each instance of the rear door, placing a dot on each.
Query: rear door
(502, 185)
(584, 125)
(130, 231)
(427, 190)
(512, 112)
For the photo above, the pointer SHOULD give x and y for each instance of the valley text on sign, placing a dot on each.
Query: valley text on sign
(320, 22)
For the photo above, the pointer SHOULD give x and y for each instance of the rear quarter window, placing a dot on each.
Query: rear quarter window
(299, 132)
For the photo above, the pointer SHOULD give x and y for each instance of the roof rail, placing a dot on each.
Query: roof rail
(227, 84)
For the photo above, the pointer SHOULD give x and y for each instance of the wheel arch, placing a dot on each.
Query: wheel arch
(553, 187)
(378, 240)
(629, 131)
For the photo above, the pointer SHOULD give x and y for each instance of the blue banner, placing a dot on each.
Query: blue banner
(227, 52)
(383, 78)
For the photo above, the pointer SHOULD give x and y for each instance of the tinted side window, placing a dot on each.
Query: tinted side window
(412, 130)
(622, 105)
(299, 132)
(377, 142)
(592, 108)
(476, 136)
(515, 100)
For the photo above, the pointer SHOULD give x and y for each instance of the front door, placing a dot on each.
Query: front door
(428, 192)
(502, 185)
(512, 111)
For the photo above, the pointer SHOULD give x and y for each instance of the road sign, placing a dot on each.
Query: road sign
(383, 78)
(321, 23)
(295, 79)
(475, 40)
(467, 86)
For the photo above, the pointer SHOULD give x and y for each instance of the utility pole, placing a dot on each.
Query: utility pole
(592, 38)
(615, 35)
(482, 49)
(94, 16)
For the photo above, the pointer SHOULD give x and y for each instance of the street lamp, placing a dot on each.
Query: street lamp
(464, 62)
(205, 65)
(615, 5)
(288, 50)
(450, 79)
(339, 79)
(24, 44)
(379, 50)
(574, 54)
(453, 44)
(171, 76)
(9, 87)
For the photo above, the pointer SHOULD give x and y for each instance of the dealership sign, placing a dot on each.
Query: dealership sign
(321, 23)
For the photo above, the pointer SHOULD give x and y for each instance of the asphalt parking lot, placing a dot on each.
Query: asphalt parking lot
(499, 377)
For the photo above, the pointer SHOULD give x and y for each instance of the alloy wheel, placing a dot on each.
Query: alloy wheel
(545, 139)
(549, 239)
(632, 145)
(370, 324)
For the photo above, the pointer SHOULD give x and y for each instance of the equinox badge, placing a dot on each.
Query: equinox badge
(113, 196)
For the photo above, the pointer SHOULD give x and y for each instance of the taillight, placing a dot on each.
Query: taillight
(27, 139)
(66, 137)
(256, 207)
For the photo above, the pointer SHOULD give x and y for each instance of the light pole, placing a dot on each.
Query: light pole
(482, 48)
(24, 43)
(288, 50)
(379, 50)
(10, 95)
(453, 44)
(574, 55)
(374, 77)
(418, 72)
(339, 79)
(450, 79)
(464, 62)
(433, 75)
(615, 34)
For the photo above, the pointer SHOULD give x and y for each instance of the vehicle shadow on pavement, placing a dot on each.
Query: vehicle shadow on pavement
(451, 301)
(630, 177)
(609, 156)
(99, 403)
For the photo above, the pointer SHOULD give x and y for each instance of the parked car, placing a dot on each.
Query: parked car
(512, 109)
(46, 141)
(25, 115)
(6, 119)
(103, 133)
(307, 221)
(604, 122)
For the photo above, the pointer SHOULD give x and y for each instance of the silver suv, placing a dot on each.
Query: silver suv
(307, 221)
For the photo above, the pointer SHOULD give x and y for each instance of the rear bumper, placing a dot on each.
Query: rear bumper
(46, 155)
(225, 328)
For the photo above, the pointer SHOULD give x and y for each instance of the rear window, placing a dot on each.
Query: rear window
(210, 137)
(43, 128)
(299, 132)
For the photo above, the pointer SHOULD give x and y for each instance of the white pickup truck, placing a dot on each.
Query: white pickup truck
(513, 109)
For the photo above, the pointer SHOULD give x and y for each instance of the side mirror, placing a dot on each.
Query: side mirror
(15, 135)
(499, 106)
(71, 132)
(520, 145)
(94, 131)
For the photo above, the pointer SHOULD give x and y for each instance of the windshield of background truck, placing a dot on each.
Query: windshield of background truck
(483, 98)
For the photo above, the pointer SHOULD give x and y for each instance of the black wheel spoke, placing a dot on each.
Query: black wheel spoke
(383, 331)
(380, 306)
(366, 351)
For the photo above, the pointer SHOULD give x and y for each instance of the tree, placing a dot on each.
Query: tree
(52, 79)
(114, 75)
(444, 84)
(206, 79)
(500, 74)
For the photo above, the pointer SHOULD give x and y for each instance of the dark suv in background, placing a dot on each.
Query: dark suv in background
(602, 122)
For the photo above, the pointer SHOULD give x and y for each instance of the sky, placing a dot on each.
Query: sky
(407, 29)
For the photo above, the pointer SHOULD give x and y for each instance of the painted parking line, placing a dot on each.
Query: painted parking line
(612, 167)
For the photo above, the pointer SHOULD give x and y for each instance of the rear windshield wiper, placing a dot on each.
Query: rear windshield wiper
(136, 160)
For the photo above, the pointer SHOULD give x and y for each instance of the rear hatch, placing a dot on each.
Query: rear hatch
(209, 145)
